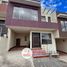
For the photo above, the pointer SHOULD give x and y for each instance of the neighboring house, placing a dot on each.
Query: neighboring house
(31, 26)
(62, 40)
(3, 28)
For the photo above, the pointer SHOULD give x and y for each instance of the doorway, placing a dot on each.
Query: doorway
(18, 41)
(36, 40)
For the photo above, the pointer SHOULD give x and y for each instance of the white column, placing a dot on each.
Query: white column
(30, 40)
(41, 39)
(9, 38)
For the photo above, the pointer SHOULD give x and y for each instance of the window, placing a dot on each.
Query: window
(0, 31)
(4, 1)
(3, 28)
(64, 25)
(43, 18)
(36, 0)
(25, 14)
(49, 19)
(46, 38)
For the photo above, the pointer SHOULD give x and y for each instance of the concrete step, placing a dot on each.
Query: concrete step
(37, 53)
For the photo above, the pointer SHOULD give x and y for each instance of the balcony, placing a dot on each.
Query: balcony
(20, 19)
(27, 2)
(34, 24)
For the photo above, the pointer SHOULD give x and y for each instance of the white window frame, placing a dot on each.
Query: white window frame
(64, 29)
(46, 33)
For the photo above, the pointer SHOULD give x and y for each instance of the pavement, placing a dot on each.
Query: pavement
(48, 62)
(15, 59)
(63, 58)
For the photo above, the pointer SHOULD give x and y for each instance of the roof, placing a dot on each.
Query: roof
(27, 2)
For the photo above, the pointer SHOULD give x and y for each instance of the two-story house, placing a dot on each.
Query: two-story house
(29, 26)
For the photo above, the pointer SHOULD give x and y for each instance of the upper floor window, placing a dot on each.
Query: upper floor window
(49, 19)
(46, 38)
(64, 25)
(4, 2)
(25, 14)
(43, 18)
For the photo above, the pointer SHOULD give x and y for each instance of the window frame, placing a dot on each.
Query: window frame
(18, 16)
(64, 25)
(43, 18)
(49, 19)
(46, 39)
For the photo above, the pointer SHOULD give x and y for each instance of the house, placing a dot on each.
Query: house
(31, 26)
(27, 27)
(61, 42)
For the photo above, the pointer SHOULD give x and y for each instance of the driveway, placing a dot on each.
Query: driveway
(49, 62)
(15, 59)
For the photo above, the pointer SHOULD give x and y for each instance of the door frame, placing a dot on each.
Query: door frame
(39, 40)
(16, 42)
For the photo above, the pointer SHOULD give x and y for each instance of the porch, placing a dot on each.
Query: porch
(40, 41)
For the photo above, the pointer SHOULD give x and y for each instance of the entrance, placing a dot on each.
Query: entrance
(36, 40)
(18, 40)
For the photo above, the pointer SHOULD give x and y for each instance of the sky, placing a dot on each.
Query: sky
(57, 5)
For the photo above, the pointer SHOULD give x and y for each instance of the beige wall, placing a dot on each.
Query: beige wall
(56, 34)
(3, 44)
(62, 45)
(53, 15)
(11, 38)
(22, 37)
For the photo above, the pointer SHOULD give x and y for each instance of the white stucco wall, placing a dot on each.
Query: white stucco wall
(11, 38)
(56, 34)
(62, 45)
(3, 44)
(48, 14)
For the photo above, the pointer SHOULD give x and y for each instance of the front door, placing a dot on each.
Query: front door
(36, 40)
(18, 42)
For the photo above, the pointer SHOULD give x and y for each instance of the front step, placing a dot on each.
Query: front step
(39, 53)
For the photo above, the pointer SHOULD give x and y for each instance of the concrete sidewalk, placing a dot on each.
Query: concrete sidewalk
(63, 58)
(48, 62)
(15, 59)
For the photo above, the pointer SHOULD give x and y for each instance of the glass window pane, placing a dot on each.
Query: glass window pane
(63, 25)
(46, 38)
(66, 23)
(43, 18)
(25, 14)
(49, 19)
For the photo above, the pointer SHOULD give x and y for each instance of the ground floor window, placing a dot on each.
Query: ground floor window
(46, 38)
